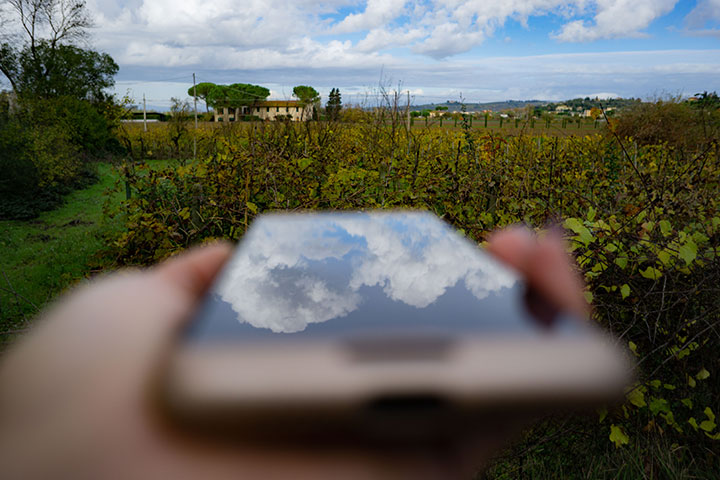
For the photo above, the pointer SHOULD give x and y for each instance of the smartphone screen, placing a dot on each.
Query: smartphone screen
(358, 274)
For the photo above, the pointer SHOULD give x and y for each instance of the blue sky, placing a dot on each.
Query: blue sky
(482, 50)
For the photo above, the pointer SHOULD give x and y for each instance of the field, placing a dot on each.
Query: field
(642, 221)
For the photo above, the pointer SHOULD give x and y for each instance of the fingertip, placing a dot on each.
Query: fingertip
(513, 245)
(545, 264)
(193, 270)
(554, 272)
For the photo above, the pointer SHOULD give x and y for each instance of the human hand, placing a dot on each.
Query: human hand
(74, 392)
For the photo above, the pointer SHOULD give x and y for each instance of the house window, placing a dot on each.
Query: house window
(268, 109)
(278, 108)
(297, 109)
(221, 111)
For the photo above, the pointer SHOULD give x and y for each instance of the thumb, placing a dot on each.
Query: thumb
(193, 271)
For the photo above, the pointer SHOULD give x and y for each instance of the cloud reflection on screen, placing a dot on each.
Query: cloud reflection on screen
(294, 270)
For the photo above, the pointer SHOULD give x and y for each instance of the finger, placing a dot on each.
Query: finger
(544, 263)
(513, 246)
(193, 271)
(552, 271)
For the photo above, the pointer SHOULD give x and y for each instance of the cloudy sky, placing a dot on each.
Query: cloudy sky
(484, 50)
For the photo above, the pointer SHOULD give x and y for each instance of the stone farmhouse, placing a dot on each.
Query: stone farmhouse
(266, 110)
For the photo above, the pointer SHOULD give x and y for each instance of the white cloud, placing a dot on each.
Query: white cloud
(616, 19)
(458, 26)
(379, 39)
(377, 13)
(268, 289)
(448, 39)
(188, 23)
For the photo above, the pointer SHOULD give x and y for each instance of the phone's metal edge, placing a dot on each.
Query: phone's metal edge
(477, 374)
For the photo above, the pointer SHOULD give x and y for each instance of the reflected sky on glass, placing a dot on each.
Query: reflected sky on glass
(332, 273)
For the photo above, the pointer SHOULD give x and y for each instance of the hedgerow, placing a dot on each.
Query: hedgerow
(48, 148)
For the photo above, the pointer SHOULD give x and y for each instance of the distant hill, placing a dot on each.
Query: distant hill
(575, 104)
(479, 107)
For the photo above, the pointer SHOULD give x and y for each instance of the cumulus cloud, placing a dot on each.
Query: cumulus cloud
(448, 39)
(380, 39)
(282, 281)
(457, 26)
(616, 19)
(377, 13)
(224, 35)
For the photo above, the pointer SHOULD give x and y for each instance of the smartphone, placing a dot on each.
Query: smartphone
(385, 322)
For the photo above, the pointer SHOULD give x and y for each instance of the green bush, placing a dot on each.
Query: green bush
(48, 150)
(670, 121)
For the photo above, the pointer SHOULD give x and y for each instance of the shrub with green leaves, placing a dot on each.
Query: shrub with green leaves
(48, 149)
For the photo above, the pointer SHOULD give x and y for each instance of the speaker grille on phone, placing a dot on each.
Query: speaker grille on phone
(399, 349)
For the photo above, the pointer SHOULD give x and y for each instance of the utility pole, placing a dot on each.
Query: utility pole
(196, 124)
(408, 125)
(408, 112)
(144, 114)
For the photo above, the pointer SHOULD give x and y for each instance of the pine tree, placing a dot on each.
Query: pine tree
(334, 104)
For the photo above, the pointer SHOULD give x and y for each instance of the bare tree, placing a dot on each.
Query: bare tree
(55, 21)
(29, 23)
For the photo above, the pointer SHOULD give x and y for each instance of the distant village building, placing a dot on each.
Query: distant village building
(266, 110)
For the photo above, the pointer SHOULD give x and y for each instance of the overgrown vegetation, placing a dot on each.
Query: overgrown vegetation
(49, 148)
(682, 124)
(57, 118)
(642, 219)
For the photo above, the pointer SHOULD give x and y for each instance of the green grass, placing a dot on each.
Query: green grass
(43, 257)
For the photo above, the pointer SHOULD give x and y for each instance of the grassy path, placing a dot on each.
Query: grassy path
(42, 257)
